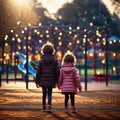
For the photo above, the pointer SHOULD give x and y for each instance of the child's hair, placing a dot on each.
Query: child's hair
(48, 49)
(69, 58)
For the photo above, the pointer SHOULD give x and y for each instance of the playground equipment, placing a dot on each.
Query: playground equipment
(28, 40)
(21, 65)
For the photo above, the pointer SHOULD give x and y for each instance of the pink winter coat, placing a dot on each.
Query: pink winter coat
(69, 79)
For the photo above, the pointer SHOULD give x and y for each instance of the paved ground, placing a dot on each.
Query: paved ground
(91, 86)
(98, 103)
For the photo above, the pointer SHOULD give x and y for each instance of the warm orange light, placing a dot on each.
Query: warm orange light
(114, 54)
(40, 41)
(40, 24)
(91, 24)
(6, 37)
(91, 54)
(78, 28)
(77, 41)
(60, 33)
(98, 72)
(114, 69)
(59, 55)
(21, 3)
(60, 43)
(103, 61)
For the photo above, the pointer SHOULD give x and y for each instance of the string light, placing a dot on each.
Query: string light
(43, 34)
(40, 24)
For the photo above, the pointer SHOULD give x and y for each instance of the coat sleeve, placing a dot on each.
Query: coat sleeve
(60, 78)
(77, 80)
(57, 71)
(37, 79)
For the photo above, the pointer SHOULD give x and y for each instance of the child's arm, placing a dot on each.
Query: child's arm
(77, 81)
(37, 85)
(60, 80)
(57, 71)
(37, 79)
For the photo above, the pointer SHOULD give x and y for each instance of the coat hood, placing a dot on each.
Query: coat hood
(68, 68)
(48, 59)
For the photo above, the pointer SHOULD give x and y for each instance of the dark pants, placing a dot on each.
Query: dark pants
(72, 97)
(46, 91)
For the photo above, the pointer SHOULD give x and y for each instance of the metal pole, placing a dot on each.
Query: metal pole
(2, 64)
(27, 34)
(3, 55)
(15, 60)
(0, 79)
(94, 55)
(11, 50)
(106, 32)
(7, 71)
(85, 63)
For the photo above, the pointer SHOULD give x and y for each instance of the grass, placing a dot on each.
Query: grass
(90, 72)
(115, 81)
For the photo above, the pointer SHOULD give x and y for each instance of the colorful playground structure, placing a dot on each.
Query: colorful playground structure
(21, 65)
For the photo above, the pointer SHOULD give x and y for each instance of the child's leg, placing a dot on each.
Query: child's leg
(66, 102)
(44, 91)
(66, 99)
(72, 97)
(49, 98)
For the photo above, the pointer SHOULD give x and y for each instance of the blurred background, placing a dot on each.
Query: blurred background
(88, 28)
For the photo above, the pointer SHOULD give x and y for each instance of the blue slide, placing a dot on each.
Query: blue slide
(21, 65)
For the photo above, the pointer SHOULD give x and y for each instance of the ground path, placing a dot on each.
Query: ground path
(98, 103)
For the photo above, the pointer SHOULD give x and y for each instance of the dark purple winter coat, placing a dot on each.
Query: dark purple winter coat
(48, 71)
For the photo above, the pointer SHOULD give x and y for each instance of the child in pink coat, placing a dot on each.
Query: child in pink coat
(69, 80)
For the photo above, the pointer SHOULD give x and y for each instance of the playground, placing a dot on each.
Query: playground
(96, 50)
(89, 29)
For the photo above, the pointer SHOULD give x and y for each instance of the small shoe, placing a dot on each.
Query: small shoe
(73, 109)
(44, 108)
(49, 108)
(66, 109)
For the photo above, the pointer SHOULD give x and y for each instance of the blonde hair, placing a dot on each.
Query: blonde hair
(69, 57)
(48, 48)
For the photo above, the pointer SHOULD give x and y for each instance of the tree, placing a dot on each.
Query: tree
(82, 13)
(45, 16)
(11, 13)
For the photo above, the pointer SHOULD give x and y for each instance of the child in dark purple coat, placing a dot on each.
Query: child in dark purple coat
(47, 74)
